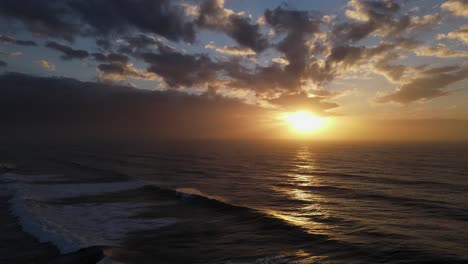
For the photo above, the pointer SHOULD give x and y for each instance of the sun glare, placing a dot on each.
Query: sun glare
(303, 122)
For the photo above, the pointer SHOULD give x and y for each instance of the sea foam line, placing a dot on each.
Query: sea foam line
(71, 227)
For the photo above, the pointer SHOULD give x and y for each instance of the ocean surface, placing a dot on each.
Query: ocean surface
(245, 202)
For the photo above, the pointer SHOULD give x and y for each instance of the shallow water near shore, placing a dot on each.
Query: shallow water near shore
(220, 202)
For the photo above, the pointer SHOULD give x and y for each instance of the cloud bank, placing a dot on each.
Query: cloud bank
(280, 59)
(63, 108)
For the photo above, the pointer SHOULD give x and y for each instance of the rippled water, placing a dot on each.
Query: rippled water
(289, 202)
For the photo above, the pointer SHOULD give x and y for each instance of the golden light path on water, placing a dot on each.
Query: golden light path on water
(302, 215)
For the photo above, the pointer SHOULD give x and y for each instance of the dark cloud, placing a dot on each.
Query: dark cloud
(428, 84)
(113, 68)
(99, 57)
(12, 40)
(179, 69)
(263, 79)
(345, 57)
(116, 67)
(111, 57)
(159, 17)
(214, 16)
(369, 16)
(3, 64)
(68, 52)
(104, 43)
(26, 43)
(45, 18)
(67, 19)
(378, 18)
(65, 108)
(142, 41)
(137, 44)
(299, 26)
(300, 22)
(114, 57)
(348, 56)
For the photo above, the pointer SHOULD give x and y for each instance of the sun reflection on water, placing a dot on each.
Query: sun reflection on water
(296, 182)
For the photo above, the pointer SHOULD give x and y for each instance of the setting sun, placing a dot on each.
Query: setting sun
(302, 121)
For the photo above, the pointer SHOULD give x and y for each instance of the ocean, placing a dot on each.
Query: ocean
(242, 202)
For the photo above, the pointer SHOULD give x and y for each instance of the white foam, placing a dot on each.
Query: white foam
(71, 227)
(187, 193)
(108, 260)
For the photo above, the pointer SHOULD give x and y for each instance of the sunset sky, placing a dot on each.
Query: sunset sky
(367, 70)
